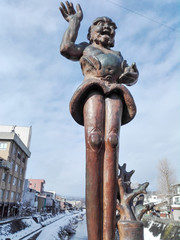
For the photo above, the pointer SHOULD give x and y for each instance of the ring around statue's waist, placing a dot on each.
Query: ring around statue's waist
(107, 78)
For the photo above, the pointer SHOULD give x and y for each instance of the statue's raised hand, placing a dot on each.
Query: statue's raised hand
(69, 12)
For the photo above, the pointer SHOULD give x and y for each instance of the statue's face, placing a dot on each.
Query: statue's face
(103, 32)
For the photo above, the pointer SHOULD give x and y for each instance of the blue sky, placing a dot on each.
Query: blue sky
(37, 84)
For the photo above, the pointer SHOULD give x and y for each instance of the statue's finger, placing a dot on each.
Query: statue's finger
(134, 67)
(72, 8)
(68, 7)
(63, 13)
(64, 7)
(78, 7)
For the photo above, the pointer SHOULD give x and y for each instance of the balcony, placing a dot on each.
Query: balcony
(5, 164)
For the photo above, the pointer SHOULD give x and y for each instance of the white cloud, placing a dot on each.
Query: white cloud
(38, 83)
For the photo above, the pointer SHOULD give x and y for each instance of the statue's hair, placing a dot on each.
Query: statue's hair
(95, 22)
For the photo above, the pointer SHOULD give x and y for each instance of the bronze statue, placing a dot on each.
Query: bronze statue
(102, 104)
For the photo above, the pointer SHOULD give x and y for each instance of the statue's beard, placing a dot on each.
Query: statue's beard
(103, 40)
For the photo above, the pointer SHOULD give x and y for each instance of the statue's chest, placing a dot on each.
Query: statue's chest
(103, 64)
(109, 60)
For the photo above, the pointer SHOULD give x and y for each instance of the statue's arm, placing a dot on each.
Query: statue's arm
(68, 48)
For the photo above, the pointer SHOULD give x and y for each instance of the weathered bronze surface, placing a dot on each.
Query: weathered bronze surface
(130, 230)
(102, 104)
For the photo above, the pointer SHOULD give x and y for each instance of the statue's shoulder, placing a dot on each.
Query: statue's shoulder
(91, 50)
(118, 53)
(89, 47)
(84, 44)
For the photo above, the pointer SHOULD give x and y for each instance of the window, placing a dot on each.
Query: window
(177, 200)
(3, 145)
(21, 172)
(24, 159)
(19, 183)
(12, 195)
(9, 179)
(1, 194)
(14, 181)
(17, 197)
(16, 167)
(4, 176)
(19, 154)
(7, 195)
(13, 164)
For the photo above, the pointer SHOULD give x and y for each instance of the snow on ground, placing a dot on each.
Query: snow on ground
(149, 236)
(31, 226)
(53, 227)
(52, 219)
(50, 232)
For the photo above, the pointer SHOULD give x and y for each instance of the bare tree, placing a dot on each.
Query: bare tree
(166, 177)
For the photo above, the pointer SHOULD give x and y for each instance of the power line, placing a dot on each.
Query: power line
(141, 15)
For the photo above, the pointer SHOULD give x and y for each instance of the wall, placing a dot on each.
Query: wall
(165, 229)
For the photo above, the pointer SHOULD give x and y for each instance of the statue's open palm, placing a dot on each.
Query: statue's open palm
(69, 12)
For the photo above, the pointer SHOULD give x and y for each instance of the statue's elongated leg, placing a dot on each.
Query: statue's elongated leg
(94, 113)
(113, 115)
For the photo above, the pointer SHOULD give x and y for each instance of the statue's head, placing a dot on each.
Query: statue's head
(102, 31)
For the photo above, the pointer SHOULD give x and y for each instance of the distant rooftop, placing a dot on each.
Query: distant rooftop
(24, 133)
(37, 180)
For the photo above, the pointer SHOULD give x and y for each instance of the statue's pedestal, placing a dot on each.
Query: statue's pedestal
(130, 230)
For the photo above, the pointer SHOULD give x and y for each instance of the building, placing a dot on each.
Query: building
(76, 203)
(30, 196)
(41, 203)
(37, 184)
(62, 202)
(14, 154)
(175, 202)
(52, 205)
(175, 188)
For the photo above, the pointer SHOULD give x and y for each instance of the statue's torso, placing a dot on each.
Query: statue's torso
(101, 63)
